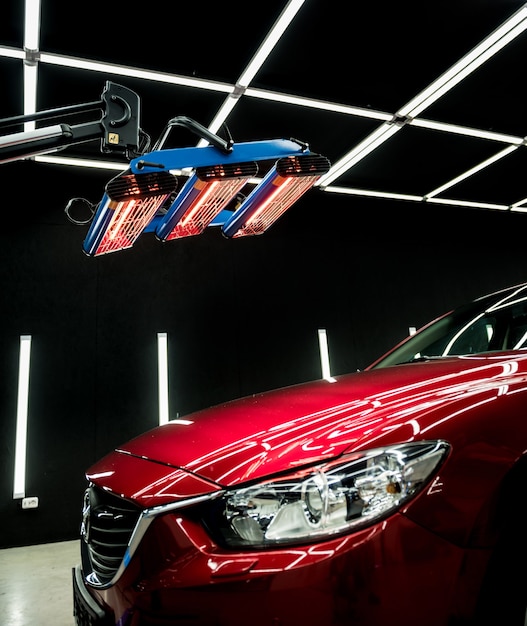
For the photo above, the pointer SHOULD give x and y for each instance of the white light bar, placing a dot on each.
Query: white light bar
(162, 368)
(375, 139)
(492, 44)
(32, 25)
(19, 484)
(281, 24)
(324, 355)
(472, 171)
(132, 72)
(90, 163)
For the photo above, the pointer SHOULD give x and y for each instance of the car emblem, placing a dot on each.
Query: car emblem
(85, 525)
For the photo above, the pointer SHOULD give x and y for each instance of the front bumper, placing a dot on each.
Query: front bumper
(393, 573)
(86, 610)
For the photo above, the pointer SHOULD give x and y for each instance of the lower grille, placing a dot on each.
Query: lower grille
(107, 525)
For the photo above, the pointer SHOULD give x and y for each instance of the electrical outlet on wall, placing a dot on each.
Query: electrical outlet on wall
(30, 503)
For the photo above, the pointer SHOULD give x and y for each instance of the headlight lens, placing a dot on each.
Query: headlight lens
(331, 499)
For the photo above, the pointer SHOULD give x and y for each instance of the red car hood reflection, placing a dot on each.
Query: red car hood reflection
(271, 432)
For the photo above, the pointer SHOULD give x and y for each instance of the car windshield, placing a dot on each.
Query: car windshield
(492, 323)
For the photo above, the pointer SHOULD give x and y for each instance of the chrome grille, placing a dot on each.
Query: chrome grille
(107, 525)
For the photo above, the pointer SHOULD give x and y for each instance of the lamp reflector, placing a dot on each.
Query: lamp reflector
(205, 194)
(282, 186)
(129, 204)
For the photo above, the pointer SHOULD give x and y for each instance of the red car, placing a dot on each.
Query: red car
(389, 497)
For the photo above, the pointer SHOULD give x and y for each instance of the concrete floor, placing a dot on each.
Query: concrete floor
(35, 584)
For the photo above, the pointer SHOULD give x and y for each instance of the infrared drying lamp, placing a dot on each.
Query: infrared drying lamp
(283, 185)
(127, 207)
(205, 194)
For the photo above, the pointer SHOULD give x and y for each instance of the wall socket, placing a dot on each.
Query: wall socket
(30, 503)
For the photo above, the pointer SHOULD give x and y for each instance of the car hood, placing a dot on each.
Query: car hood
(267, 433)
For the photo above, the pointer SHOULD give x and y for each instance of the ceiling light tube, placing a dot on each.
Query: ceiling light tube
(492, 44)
(519, 204)
(472, 171)
(129, 204)
(32, 25)
(375, 139)
(205, 194)
(90, 163)
(353, 191)
(466, 132)
(469, 203)
(131, 72)
(282, 186)
(285, 18)
(30, 93)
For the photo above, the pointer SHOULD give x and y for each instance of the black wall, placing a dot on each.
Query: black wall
(241, 315)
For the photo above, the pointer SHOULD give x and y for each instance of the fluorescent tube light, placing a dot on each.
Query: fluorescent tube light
(30, 93)
(370, 193)
(324, 355)
(32, 25)
(467, 132)
(90, 163)
(467, 203)
(472, 171)
(492, 44)
(19, 486)
(162, 369)
(131, 72)
(285, 18)
(375, 139)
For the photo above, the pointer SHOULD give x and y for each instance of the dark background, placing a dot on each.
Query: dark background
(242, 315)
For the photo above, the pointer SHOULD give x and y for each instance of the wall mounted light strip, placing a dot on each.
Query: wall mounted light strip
(19, 484)
(324, 355)
(162, 369)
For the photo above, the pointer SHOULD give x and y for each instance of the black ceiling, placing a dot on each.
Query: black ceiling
(356, 57)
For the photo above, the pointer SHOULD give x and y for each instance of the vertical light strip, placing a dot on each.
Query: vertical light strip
(31, 47)
(30, 94)
(265, 49)
(32, 25)
(162, 368)
(19, 486)
(324, 355)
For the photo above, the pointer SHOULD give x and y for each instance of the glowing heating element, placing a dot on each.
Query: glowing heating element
(290, 178)
(129, 204)
(205, 194)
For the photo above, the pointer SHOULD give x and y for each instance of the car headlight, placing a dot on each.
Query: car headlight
(326, 500)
